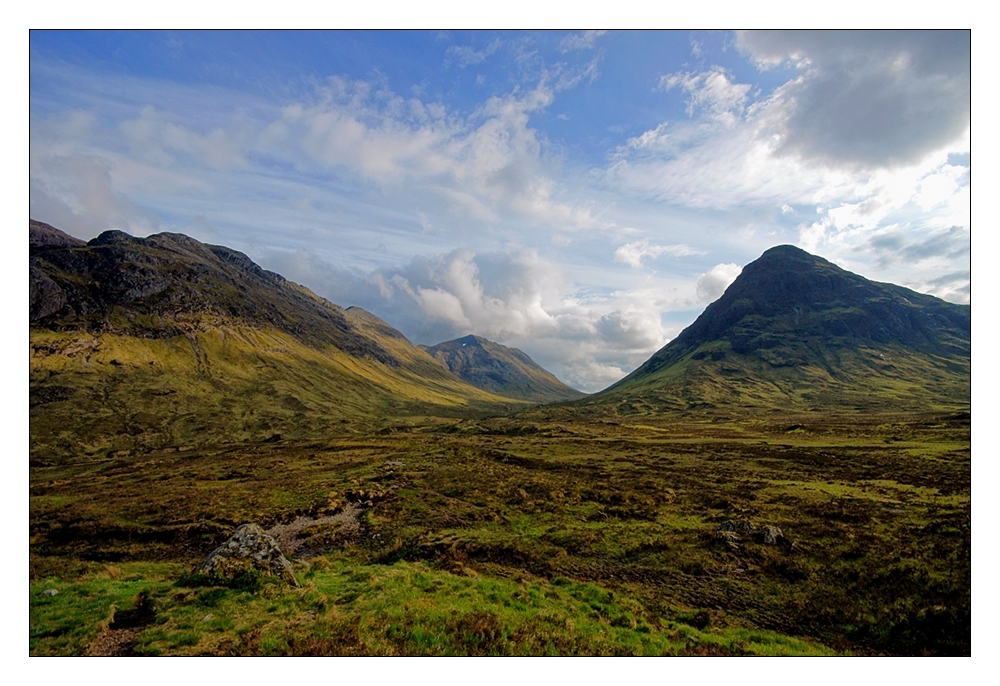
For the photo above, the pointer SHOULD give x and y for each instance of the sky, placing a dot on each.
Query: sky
(580, 195)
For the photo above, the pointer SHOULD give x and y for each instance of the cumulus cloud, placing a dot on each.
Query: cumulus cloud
(870, 98)
(713, 283)
(514, 297)
(868, 135)
(633, 253)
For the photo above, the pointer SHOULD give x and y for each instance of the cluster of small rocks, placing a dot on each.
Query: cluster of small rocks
(733, 534)
(249, 549)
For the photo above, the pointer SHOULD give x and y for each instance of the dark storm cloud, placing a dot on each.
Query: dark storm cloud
(868, 98)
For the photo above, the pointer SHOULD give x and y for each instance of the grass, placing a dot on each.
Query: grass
(532, 534)
(94, 395)
(400, 609)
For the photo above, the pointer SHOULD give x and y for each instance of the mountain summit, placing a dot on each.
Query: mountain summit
(501, 370)
(795, 329)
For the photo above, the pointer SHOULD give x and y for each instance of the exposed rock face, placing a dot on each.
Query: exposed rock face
(45, 296)
(248, 550)
(42, 235)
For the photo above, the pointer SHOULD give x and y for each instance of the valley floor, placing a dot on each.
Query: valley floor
(529, 535)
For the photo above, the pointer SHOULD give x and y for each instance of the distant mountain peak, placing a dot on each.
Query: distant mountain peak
(499, 369)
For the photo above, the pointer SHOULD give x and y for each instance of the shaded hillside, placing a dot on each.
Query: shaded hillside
(796, 330)
(501, 370)
(165, 340)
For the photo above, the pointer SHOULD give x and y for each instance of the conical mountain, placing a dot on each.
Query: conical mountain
(500, 370)
(145, 342)
(796, 331)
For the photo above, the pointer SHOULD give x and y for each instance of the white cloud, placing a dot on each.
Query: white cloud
(516, 298)
(153, 138)
(465, 56)
(633, 253)
(713, 283)
(580, 41)
(76, 193)
(351, 139)
(803, 146)
(711, 91)
(491, 163)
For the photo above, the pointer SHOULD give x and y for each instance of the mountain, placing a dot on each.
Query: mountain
(501, 370)
(794, 331)
(145, 342)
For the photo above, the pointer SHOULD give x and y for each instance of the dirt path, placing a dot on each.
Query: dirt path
(113, 642)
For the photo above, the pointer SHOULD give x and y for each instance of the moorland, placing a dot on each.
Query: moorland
(178, 392)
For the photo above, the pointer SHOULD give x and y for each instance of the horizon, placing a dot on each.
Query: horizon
(580, 196)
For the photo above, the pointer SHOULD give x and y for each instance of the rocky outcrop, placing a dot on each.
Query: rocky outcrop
(44, 295)
(769, 535)
(42, 235)
(733, 534)
(248, 552)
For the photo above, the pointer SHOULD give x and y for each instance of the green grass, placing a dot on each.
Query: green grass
(399, 609)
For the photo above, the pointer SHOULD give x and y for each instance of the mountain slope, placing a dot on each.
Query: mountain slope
(141, 342)
(501, 370)
(795, 331)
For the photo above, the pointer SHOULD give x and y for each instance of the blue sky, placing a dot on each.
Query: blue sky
(579, 195)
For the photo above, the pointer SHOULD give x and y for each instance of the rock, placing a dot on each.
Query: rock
(248, 550)
(742, 526)
(50, 592)
(730, 539)
(44, 295)
(770, 535)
